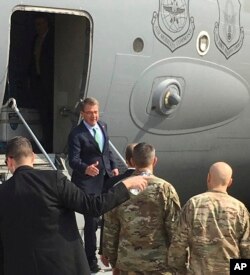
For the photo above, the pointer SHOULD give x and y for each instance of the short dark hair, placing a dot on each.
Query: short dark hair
(18, 147)
(129, 152)
(143, 154)
(88, 101)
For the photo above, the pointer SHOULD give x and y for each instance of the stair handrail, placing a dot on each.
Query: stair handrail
(11, 102)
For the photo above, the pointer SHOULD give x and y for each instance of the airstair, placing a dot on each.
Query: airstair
(40, 163)
(10, 118)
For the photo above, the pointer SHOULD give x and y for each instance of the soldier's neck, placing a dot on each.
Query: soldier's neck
(147, 170)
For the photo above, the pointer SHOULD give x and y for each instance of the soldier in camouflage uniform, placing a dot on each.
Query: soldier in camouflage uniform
(137, 234)
(214, 226)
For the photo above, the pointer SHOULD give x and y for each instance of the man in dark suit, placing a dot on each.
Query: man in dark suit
(130, 168)
(92, 162)
(41, 72)
(39, 234)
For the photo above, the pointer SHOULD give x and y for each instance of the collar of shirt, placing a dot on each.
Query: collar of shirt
(143, 173)
(217, 191)
(90, 127)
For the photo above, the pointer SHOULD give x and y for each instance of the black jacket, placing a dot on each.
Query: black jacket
(38, 228)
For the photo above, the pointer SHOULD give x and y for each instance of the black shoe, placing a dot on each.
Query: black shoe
(100, 222)
(94, 267)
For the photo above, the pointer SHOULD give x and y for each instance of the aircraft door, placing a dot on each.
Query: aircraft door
(71, 69)
(49, 75)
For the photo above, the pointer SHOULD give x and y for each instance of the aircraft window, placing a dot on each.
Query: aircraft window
(138, 45)
(203, 43)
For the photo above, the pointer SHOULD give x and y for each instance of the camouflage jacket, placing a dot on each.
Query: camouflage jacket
(138, 232)
(215, 228)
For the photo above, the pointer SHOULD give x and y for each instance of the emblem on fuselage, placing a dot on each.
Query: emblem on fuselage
(172, 25)
(228, 34)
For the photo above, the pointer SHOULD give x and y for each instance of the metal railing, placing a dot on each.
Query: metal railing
(11, 103)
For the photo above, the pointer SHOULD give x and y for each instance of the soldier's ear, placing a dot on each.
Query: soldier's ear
(155, 161)
(230, 182)
(208, 178)
(33, 157)
(132, 162)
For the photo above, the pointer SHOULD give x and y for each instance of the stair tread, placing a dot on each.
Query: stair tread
(40, 160)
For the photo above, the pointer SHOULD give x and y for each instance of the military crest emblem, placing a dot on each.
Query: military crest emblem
(228, 33)
(172, 25)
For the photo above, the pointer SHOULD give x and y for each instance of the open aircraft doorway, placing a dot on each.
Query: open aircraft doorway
(48, 71)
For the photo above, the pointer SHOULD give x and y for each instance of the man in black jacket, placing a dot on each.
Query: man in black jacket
(38, 228)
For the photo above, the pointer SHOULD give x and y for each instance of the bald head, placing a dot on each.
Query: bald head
(220, 175)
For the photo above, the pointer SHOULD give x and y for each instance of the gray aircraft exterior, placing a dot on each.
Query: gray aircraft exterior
(173, 73)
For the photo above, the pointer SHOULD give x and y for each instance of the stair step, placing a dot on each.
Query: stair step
(40, 159)
(40, 163)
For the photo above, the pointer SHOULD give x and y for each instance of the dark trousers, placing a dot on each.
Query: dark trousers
(90, 227)
(42, 99)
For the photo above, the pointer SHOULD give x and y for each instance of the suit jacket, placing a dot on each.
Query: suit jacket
(39, 234)
(41, 86)
(83, 151)
(46, 58)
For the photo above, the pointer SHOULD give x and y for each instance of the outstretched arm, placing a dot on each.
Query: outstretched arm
(74, 198)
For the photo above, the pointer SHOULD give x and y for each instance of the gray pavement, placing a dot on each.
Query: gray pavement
(105, 270)
(80, 223)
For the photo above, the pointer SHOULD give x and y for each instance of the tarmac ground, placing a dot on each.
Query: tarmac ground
(105, 270)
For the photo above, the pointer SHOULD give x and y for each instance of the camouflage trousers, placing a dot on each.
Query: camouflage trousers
(144, 273)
